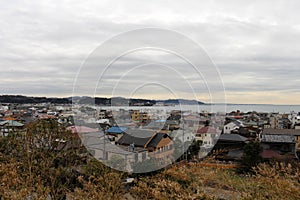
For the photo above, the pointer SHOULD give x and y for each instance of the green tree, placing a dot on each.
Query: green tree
(194, 149)
(251, 156)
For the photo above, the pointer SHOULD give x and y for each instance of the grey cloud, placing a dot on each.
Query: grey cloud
(42, 44)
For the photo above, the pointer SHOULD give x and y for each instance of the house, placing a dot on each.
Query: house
(294, 118)
(159, 145)
(248, 132)
(102, 114)
(273, 121)
(208, 135)
(104, 123)
(279, 143)
(291, 132)
(183, 136)
(233, 125)
(191, 120)
(158, 124)
(232, 140)
(120, 157)
(115, 132)
(284, 123)
(138, 116)
(172, 125)
(79, 131)
(231, 146)
(8, 126)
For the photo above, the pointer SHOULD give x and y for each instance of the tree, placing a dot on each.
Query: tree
(194, 149)
(99, 182)
(44, 156)
(251, 156)
(188, 150)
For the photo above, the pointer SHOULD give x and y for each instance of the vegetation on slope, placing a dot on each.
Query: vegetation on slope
(33, 164)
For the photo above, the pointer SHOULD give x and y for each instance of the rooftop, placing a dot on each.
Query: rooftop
(116, 129)
(271, 131)
(232, 137)
(278, 138)
(206, 129)
(11, 123)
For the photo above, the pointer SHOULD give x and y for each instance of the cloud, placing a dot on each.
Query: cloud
(255, 44)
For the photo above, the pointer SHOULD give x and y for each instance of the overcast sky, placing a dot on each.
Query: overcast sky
(255, 45)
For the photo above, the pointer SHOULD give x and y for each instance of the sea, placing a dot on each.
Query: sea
(222, 108)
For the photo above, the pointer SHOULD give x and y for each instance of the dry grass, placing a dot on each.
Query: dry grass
(280, 181)
(190, 181)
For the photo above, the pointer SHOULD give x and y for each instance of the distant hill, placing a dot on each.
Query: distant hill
(116, 101)
(121, 101)
(179, 101)
(24, 99)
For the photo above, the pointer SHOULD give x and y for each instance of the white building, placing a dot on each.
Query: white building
(208, 135)
(232, 126)
(183, 135)
(294, 118)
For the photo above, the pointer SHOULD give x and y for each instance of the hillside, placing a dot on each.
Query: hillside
(117, 101)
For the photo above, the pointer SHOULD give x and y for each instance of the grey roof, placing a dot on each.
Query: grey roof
(138, 137)
(232, 137)
(11, 123)
(141, 133)
(271, 131)
(98, 142)
(141, 137)
(278, 138)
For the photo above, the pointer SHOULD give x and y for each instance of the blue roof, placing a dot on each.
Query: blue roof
(160, 121)
(116, 129)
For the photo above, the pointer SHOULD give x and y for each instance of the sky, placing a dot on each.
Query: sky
(253, 46)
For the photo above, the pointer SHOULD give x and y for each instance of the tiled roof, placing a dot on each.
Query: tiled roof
(271, 131)
(138, 137)
(206, 129)
(232, 137)
(278, 138)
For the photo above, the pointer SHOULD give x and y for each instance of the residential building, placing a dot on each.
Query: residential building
(233, 125)
(159, 145)
(278, 144)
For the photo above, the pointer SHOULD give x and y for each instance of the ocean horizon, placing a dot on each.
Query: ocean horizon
(218, 107)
